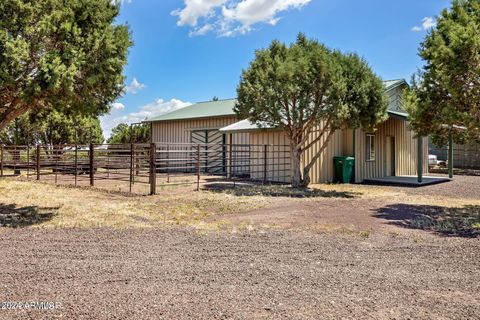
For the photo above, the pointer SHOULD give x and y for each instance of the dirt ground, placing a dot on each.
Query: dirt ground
(180, 274)
(249, 252)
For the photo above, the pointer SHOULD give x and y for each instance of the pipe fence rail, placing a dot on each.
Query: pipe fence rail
(118, 166)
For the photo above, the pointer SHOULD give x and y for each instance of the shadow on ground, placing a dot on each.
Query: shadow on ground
(13, 216)
(275, 191)
(460, 222)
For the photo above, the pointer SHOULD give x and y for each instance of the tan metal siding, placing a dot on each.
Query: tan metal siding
(178, 131)
(322, 171)
(405, 151)
(278, 168)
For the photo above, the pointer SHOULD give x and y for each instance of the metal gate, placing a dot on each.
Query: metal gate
(214, 150)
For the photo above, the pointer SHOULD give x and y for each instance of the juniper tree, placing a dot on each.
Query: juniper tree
(309, 92)
(60, 54)
(446, 93)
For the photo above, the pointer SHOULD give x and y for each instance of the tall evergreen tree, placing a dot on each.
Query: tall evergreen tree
(309, 91)
(445, 95)
(62, 54)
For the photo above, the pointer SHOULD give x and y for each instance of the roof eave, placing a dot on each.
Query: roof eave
(397, 115)
(192, 118)
(399, 83)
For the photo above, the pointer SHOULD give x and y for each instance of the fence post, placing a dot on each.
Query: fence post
(168, 164)
(198, 167)
(131, 165)
(265, 163)
(230, 156)
(28, 159)
(450, 156)
(1, 161)
(38, 162)
(419, 159)
(92, 168)
(76, 164)
(153, 169)
(56, 163)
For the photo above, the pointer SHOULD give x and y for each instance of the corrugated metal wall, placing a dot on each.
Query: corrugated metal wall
(342, 144)
(405, 151)
(179, 131)
(278, 156)
(322, 171)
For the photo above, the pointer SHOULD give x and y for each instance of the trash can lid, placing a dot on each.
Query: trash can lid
(343, 158)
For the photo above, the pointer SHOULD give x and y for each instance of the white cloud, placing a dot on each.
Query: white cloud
(134, 87)
(201, 30)
(427, 23)
(150, 110)
(118, 106)
(195, 9)
(232, 17)
(121, 1)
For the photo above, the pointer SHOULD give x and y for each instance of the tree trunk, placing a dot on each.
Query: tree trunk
(306, 177)
(297, 181)
(14, 111)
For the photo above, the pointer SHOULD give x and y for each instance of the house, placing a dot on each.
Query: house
(390, 150)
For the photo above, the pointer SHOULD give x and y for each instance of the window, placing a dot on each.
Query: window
(370, 147)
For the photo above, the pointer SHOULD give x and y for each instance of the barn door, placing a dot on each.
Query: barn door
(212, 148)
(390, 156)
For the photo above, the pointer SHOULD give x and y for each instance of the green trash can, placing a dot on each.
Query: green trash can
(344, 169)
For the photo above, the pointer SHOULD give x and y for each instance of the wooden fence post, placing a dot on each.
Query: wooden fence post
(153, 169)
(38, 162)
(1, 161)
(265, 163)
(198, 167)
(92, 167)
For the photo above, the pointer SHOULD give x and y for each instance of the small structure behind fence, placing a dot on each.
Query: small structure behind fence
(127, 166)
(464, 156)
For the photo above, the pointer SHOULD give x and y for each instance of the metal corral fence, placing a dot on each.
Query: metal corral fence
(150, 165)
(464, 156)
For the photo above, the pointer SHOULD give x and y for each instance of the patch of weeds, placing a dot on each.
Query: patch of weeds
(394, 234)
(365, 234)
(463, 221)
(273, 190)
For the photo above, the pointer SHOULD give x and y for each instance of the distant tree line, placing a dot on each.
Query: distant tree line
(52, 128)
(124, 133)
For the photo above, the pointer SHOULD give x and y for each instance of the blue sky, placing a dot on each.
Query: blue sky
(187, 51)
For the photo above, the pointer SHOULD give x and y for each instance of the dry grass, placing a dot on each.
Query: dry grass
(86, 208)
(396, 195)
(34, 204)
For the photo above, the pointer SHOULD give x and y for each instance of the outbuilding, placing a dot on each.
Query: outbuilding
(392, 149)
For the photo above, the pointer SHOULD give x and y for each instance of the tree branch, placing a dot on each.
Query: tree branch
(325, 128)
(319, 153)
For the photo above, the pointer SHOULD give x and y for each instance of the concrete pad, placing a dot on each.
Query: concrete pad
(406, 181)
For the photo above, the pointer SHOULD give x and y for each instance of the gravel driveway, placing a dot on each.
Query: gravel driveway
(180, 274)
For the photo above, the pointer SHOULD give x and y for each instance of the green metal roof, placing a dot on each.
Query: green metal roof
(206, 109)
(246, 125)
(222, 108)
(398, 114)
(390, 84)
